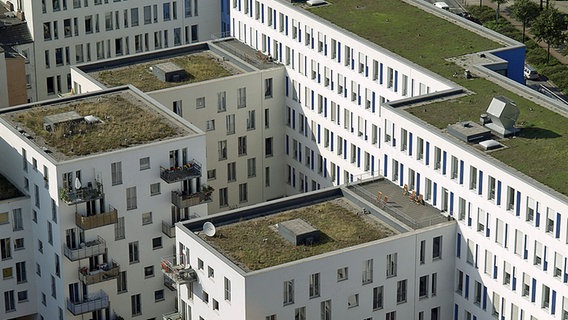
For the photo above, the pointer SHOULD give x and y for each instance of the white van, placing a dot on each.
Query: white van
(530, 73)
(442, 5)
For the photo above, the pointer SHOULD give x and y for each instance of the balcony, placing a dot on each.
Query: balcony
(185, 200)
(106, 271)
(168, 229)
(85, 250)
(82, 194)
(169, 283)
(97, 220)
(179, 273)
(175, 174)
(172, 316)
(90, 303)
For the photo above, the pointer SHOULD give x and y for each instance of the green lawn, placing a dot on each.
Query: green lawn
(428, 41)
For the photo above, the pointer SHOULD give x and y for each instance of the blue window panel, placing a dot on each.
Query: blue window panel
(395, 81)
(319, 134)
(359, 94)
(456, 311)
(274, 19)
(435, 191)
(338, 175)
(366, 69)
(393, 136)
(427, 153)
(461, 171)
(494, 266)
(345, 88)
(331, 140)
(299, 33)
(484, 297)
(250, 10)
(451, 203)
(313, 160)
(380, 73)
(533, 290)
(444, 157)
(293, 119)
(239, 5)
(287, 145)
(324, 168)
(351, 178)
(372, 101)
(286, 24)
(287, 86)
(410, 143)
(469, 216)
(338, 51)
(306, 71)
(352, 60)
(498, 193)
(293, 177)
(358, 157)
(458, 245)
(518, 204)
(268, 44)
(379, 138)
(514, 283)
(344, 149)
(372, 165)
(466, 293)
(300, 152)
(553, 303)
(480, 184)
(312, 37)
(401, 175)
(557, 232)
(487, 229)
(324, 106)
(506, 235)
(474, 317)
(544, 261)
(537, 217)
(325, 45)
(565, 273)
(418, 183)
(476, 254)
(280, 51)
(525, 251)
(313, 99)
(385, 166)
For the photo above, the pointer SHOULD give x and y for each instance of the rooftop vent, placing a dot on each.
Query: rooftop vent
(501, 116)
(314, 3)
(67, 118)
(469, 131)
(169, 72)
(490, 145)
(298, 232)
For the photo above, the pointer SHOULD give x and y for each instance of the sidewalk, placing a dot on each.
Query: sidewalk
(562, 6)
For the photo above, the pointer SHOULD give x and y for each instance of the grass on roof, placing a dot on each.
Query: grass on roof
(199, 66)
(7, 189)
(539, 151)
(255, 245)
(125, 123)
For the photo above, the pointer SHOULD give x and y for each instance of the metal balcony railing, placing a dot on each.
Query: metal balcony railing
(183, 200)
(107, 271)
(85, 250)
(172, 316)
(82, 194)
(97, 220)
(180, 273)
(192, 169)
(93, 302)
(168, 229)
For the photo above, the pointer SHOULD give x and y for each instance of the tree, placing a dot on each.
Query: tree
(524, 11)
(499, 3)
(549, 27)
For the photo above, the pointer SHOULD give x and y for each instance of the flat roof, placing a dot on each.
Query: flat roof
(249, 238)
(125, 119)
(432, 42)
(7, 189)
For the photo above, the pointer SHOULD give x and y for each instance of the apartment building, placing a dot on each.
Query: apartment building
(236, 102)
(103, 177)
(67, 32)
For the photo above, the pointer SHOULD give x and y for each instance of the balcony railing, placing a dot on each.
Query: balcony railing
(107, 271)
(184, 200)
(91, 303)
(174, 174)
(85, 250)
(180, 273)
(168, 229)
(169, 283)
(82, 194)
(97, 220)
(172, 316)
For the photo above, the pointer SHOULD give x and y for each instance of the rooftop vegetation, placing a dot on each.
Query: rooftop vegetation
(254, 244)
(538, 151)
(7, 189)
(125, 122)
(200, 67)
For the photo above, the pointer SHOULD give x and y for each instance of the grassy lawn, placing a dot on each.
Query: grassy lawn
(7, 190)
(428, 40)
(254, 244)
(199, 66)
(125, 123)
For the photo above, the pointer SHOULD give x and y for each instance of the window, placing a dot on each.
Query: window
(210, 272)
(9, 302)
(325, 310)
(211, 174)
(288, 292)
(401, 291)
(241, 97)
(156, 243)
(135, 305)
(367, 274)
(22, 296)
(423, 287)
(477, 289)
(5, 249)
(391, 315)
(314, 285)
(144, 163)
(19, 244)
(251, 122)
(7, 273)
(268, 147)
(391, 264)
(154, 189)
(459, 282)
(119, 229)
(4, 218)
(243, 194)
(227, 285)
(222, 149)
(242, 146)
(131, 198)
(210, 125)
(148, 271)
(158, 295)
(116, 173)
(526, 285)
(437, 248)
(231, 171)
(353, 301)
(300, 313)
(223, 197)
(199, 264)
(251, 167)
(147, 14)
(378, 298)
(133, 255)
(422, 254)
(21, 275)
(497, 302)
(342, 274)
(230, 123)
(200, 103)
(221, 101)
(268, 88)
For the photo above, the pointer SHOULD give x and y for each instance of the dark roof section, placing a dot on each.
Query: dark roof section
(13, 31)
